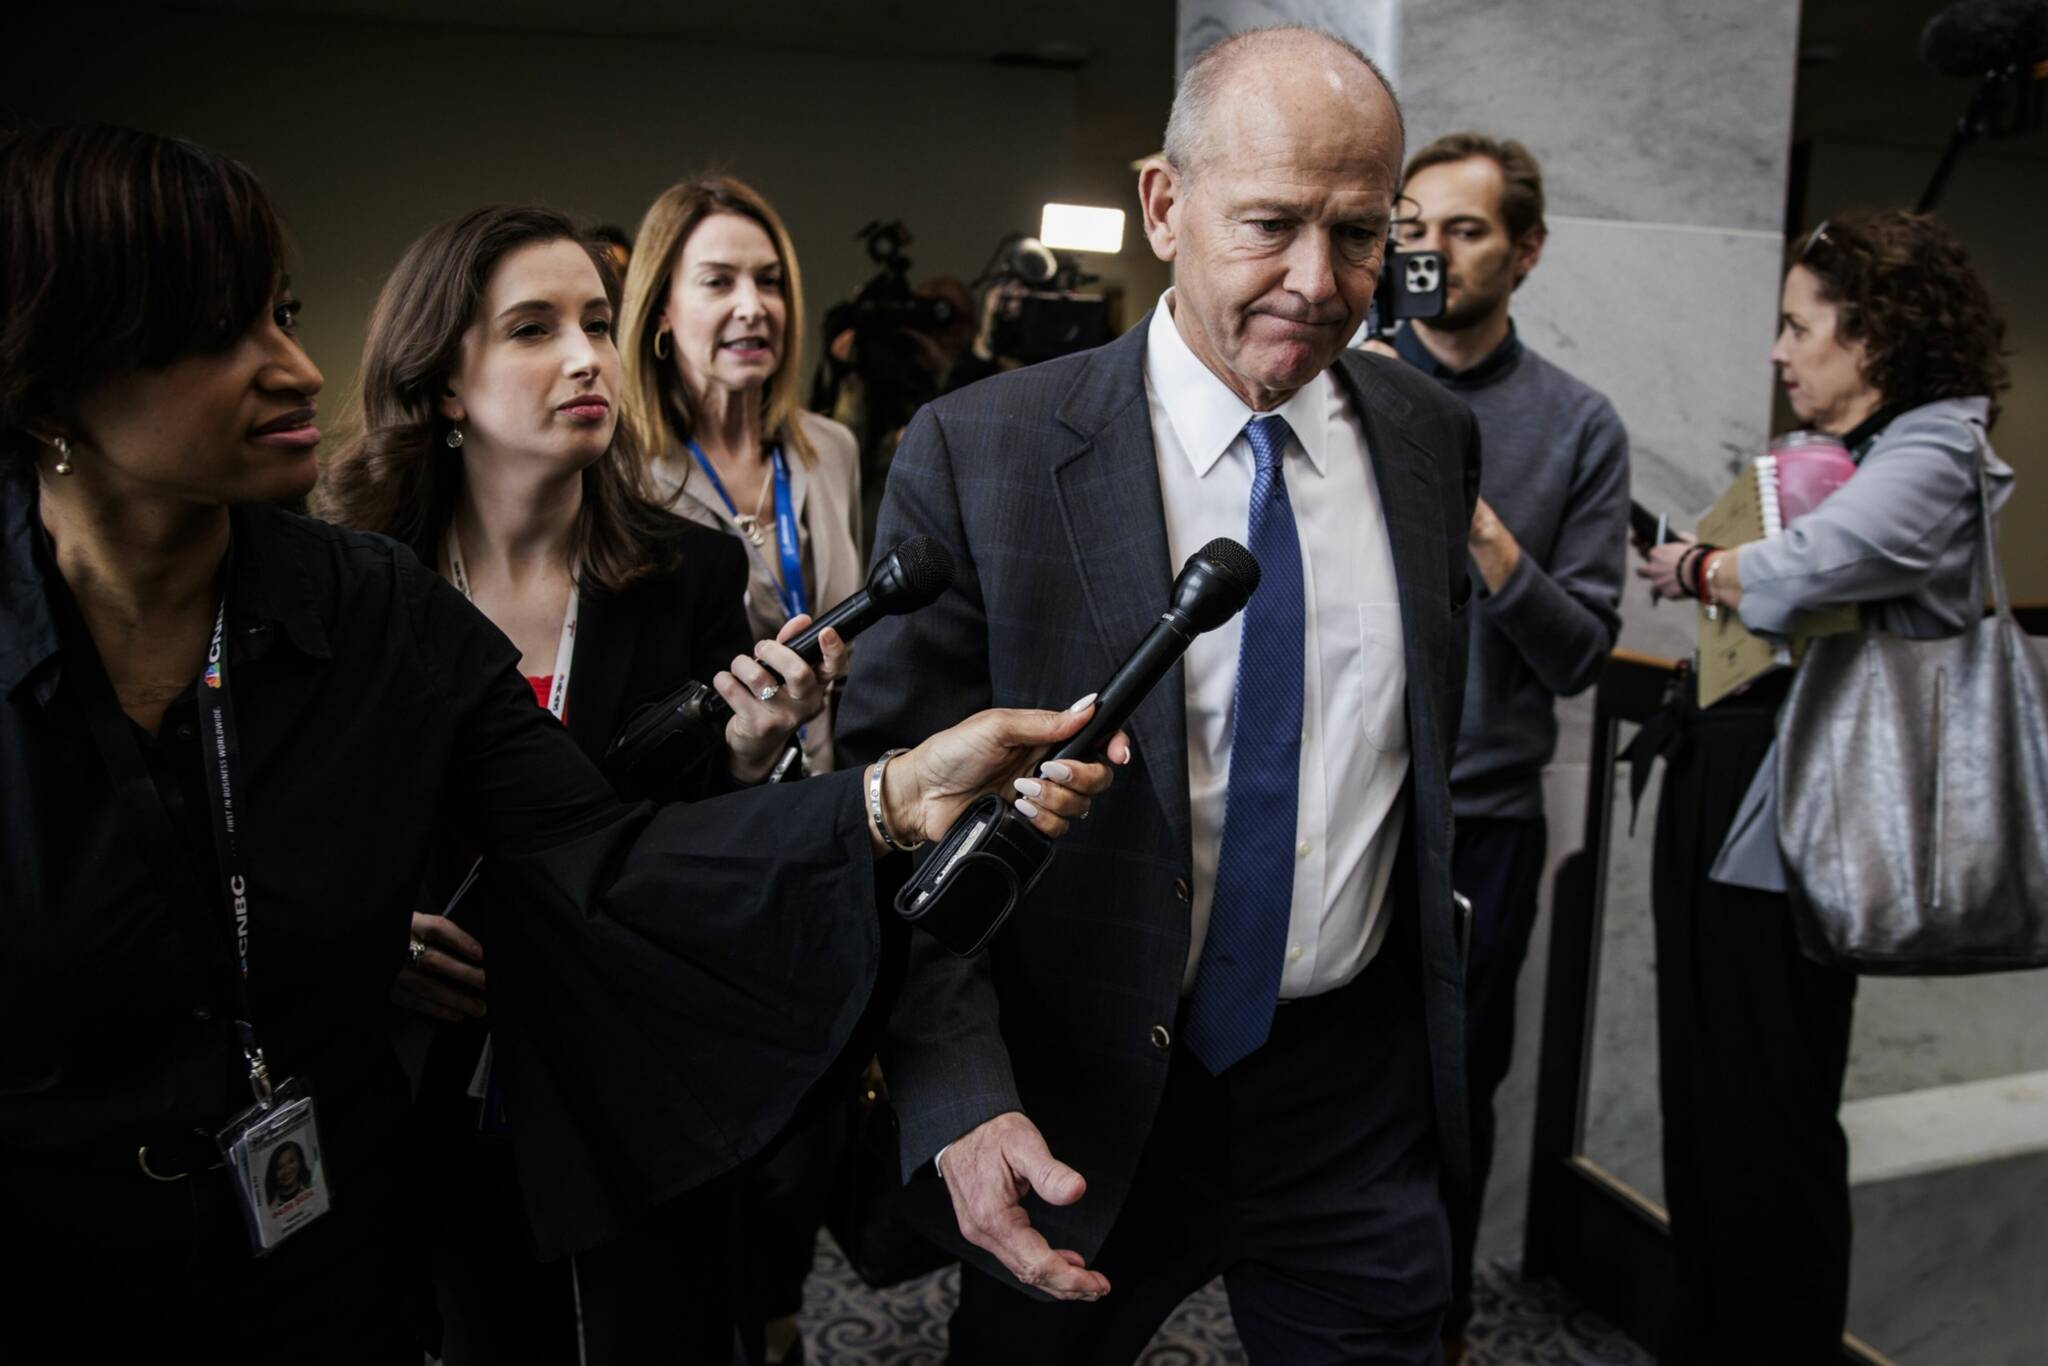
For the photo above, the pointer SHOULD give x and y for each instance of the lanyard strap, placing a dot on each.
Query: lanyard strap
(220, 758)
(792, 593)
(791, 589)
(565, 649)
(717, 484)
(221, 751)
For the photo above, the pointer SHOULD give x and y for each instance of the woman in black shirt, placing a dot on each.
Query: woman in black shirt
(667, 982)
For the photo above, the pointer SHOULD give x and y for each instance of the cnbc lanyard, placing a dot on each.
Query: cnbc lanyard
(272, 1148)
(791, 589)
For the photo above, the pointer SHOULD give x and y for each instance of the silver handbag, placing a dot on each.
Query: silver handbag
(1913, 794)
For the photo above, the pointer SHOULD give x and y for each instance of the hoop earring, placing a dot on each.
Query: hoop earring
(454, 438)
(661, 347)
(63, 445)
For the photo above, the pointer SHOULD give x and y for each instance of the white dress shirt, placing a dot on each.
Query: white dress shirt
(1354, 742)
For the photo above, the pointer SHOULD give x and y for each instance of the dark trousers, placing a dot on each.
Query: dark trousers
(783, 1206)
(667, 1290)
(113, 1266)
(670, 1290)
(1498, 865)
(499, 1306)
(1753, 1040)
(1306, 1176)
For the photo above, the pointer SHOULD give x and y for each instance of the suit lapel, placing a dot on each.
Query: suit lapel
(1406, 475)
(1107, 489)
(602, 668)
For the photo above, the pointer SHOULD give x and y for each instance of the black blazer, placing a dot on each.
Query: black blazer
(636, 646)
(1045, 483)
(632, 647)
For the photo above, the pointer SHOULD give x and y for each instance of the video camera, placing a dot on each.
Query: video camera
(887, 300)
(1037, 308)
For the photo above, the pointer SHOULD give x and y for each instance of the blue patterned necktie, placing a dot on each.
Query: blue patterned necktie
(1237, 982)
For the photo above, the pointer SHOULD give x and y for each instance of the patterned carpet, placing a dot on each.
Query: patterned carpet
(1517, 1324)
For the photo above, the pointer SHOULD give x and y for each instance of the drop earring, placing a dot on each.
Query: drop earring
(63, 445)
(454, 438)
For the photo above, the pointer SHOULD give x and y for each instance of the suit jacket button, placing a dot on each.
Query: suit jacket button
(1161, 1040)
(1180, 888)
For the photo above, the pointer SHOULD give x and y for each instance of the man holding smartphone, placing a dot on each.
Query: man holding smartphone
(1548, 544)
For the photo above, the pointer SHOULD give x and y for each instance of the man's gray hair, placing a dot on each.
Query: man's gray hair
(1188, 134)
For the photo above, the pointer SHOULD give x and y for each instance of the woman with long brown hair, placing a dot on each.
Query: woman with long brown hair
(487, 439)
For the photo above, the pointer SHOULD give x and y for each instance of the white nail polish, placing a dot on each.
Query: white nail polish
(1055, 771)
(1030, 787)
(1028, 808)
(1085, 702)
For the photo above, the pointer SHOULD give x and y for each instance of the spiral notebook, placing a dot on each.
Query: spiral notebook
(1732, 656)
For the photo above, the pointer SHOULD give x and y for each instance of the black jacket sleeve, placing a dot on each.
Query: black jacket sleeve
(667, 982)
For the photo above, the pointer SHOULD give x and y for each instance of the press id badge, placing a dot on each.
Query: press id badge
(276, 1166)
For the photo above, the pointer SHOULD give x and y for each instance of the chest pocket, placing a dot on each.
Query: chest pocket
(1381, 676)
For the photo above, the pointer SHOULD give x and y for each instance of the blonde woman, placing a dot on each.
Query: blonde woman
(711, 336)
(711, 339)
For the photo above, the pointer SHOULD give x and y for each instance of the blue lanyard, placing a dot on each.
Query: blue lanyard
(791, 590)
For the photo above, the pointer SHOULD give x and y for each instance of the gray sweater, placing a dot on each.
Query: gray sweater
(1555, 471)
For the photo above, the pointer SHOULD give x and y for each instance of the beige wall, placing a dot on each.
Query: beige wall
(369, 133)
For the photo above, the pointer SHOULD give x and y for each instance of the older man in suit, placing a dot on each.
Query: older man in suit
(1233, 1006)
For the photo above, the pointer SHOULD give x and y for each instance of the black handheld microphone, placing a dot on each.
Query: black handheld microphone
(1977, 37)
(907, 578)
(663, 740)
(968, 885)
(2004, 44)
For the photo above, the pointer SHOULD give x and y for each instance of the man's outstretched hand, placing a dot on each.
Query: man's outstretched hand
(988, 1173)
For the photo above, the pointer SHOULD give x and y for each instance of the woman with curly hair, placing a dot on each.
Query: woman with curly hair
(1889, 342)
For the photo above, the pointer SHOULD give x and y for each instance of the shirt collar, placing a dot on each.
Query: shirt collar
(1497, 363)
(1206, 415)
(271, 588)
(1859, 437)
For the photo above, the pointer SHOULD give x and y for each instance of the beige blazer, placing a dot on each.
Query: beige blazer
(827, 499)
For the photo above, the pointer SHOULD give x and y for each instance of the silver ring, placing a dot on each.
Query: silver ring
(417, 948)
(767, 694)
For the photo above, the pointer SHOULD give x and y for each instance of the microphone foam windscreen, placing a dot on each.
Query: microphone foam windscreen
(927, 570)
(1972, 37)
(1234, 560)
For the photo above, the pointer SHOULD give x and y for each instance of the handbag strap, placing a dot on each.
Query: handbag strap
(1987, 553)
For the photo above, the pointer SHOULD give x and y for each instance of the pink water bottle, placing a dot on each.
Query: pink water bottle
(1808, 466)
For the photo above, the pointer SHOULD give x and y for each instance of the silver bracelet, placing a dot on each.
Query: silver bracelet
(875, 805)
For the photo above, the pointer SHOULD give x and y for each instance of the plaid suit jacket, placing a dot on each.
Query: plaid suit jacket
(1044, 482)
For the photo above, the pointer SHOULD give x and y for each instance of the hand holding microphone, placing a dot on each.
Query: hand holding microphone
(669, 737)
(771, 693)
(993, 854)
